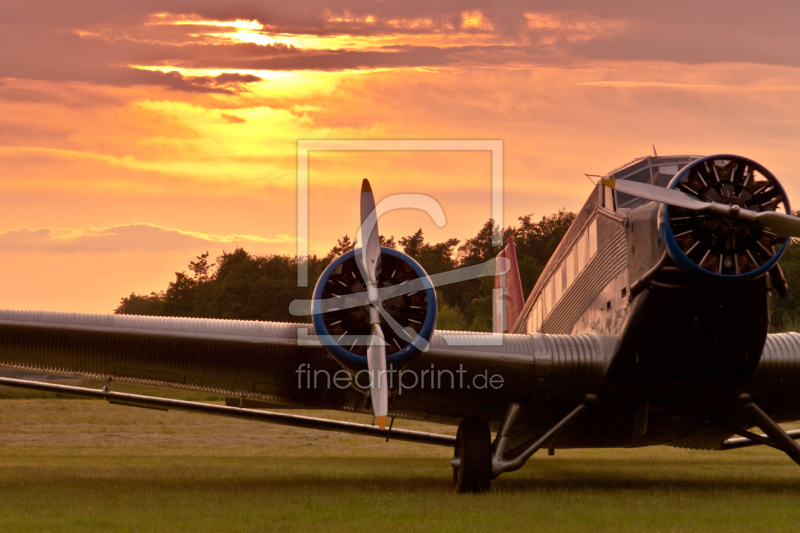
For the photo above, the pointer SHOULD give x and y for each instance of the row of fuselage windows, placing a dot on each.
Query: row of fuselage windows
(563, 277)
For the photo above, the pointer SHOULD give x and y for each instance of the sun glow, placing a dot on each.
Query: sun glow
(383, 41)
(182, 20)
(551, 28)
(346, 18)
(260, 39)
(351, 32)
(475, 20)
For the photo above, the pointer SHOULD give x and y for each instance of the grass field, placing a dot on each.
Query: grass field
(84, 465)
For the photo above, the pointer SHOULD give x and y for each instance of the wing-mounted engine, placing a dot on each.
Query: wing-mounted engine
(374, 308)
(346, 331)
(730, 240)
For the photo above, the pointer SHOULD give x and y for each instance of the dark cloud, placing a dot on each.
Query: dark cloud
(44, 54)
(40, 39)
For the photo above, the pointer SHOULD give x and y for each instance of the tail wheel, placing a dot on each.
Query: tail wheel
(474, 449)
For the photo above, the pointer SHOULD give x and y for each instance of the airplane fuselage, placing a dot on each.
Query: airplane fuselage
(685, 346)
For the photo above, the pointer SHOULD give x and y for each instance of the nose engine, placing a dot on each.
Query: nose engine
(720, 244)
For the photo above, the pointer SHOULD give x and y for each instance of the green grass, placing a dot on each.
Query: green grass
(77, 465)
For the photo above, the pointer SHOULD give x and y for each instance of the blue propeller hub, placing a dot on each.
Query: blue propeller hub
(345, 331)
(724, 246)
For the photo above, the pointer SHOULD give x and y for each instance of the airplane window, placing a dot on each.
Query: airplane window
(539, 316)
(625, 200)
(644, 163)
(532, 320)
(546, 301)
(558, 282)
(572, 265)
(663, 175)
(582, 250)
(592, 232)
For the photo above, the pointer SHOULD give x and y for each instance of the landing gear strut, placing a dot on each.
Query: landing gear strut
(472, 462)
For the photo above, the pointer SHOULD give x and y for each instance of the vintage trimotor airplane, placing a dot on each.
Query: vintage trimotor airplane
(648, 326)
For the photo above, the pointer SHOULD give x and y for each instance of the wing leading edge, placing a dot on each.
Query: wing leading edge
(263, 360)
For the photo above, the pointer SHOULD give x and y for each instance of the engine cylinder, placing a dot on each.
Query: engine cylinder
(724, 246)
(345, 331)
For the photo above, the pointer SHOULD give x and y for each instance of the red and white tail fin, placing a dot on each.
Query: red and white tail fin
(507, 299)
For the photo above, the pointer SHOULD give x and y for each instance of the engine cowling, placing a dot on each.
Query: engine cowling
(723, 246)
(344, 332)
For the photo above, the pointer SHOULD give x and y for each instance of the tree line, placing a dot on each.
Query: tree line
(243, 286)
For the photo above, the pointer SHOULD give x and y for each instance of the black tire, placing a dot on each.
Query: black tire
(474, 449)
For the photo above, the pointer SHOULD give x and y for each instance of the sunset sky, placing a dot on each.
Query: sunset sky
(136, 135)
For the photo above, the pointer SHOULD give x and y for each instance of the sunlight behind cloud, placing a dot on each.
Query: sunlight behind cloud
(475, 20)
(247, 37)
(346, 17)
(549, 28)
(189, 118)
(360, 42)
(189, 20)
(348, 31)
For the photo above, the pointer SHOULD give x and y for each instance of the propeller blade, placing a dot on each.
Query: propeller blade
(376, 351)
(779, 223)
(657, 194)
(379, 387)
(371, 243)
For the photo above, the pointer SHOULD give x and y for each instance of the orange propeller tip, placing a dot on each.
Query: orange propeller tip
(365, 186)
(381, 420)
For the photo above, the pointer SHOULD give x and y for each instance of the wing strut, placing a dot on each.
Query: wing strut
(155, 402)
(747, 440)
(776, 434)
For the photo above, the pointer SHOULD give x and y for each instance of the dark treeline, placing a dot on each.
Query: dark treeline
(247, 287)
(785, 313)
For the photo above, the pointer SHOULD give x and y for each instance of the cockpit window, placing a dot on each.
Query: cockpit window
(657, 171)
(663, 175)
(625, 200)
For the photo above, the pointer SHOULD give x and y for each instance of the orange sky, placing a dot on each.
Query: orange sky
(133, 138)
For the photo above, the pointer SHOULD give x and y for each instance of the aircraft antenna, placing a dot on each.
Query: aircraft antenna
(655, 154)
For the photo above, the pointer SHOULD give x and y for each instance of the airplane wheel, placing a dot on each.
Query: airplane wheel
(474, 449)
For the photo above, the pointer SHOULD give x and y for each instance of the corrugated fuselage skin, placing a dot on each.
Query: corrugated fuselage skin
(683, 355)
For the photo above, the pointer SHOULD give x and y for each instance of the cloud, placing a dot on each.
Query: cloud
(40, 54)
(96, 41)
(145, 237)
(232, 119)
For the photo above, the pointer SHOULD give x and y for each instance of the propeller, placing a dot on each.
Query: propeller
(369, 262)
(778, 223)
